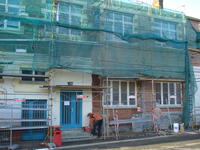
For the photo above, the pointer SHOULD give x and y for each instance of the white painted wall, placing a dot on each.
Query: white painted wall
(13, 88)
(61, 77)
(87, 107)
(197, 95)
(18, 89)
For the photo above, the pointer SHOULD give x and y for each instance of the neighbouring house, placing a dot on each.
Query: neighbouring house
(60, 60)
(195, 58)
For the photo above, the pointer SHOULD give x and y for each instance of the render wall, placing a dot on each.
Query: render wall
(62, 77)
(13, 89)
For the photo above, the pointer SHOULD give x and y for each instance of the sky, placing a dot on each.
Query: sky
(189, 7)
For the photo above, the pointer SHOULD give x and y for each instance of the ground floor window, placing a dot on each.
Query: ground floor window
(35, 111)
(168, 93)
(120, 93)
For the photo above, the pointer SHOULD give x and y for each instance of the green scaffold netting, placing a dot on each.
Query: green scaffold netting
(112, 38)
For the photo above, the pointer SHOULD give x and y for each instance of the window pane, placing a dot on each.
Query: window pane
(63, 7)
(1, 23)
(14, 2)
(13, 10)
(131, 93)
(108, 26)
(172, 100)
(115, 93)
(1, 71)
(2, 8)
(63, 18)
(128, 29)
(128, 18)
(28, 72)
(39, 73)
(172, 27)
(62, 30)
(76, 20)
(76, 9)
(158, 93)
(3, 1)
(132, 88)
(165, 26)
(118, 27)
(132, 101)
(165, 93)
(48, 15)
(12, 24)
(109, 15)
(124, 93)
(107, 91)
(178, 93)
(118, 17)
(75, 32)
(172, 88)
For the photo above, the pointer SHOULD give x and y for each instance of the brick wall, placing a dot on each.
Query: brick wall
(195, 58)
(96, 95)
(195, 24)
(125, 113)
(145, 100)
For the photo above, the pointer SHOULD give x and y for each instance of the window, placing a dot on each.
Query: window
(10, 7)
(69, 14)
(168, 93)
(119, 22)
(31, 72)
(34, 110)
(121, 93)
(164, 29)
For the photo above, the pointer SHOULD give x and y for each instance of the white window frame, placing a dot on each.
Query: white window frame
(110, 37)
(162, 28)
(169, 96)
(5, 21)
(120, 105)
(70, 13)
(123, 22)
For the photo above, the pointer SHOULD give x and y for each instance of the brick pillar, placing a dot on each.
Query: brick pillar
(96, 95)
(147, 97)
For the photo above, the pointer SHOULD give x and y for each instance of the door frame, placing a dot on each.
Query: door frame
(75, 126)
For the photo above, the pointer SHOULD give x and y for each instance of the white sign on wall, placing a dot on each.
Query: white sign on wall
(66, 103)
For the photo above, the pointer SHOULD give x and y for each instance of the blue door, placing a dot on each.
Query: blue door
(71, 110)
(34, 110)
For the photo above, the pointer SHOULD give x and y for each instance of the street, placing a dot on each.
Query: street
(186, 145)
(176, 142)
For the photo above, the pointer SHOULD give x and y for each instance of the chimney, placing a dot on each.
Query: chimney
(158, 4)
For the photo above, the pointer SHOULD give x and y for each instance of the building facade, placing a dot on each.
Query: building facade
(64, 59)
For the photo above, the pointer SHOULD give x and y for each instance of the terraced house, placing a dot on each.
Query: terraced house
(61, 59)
